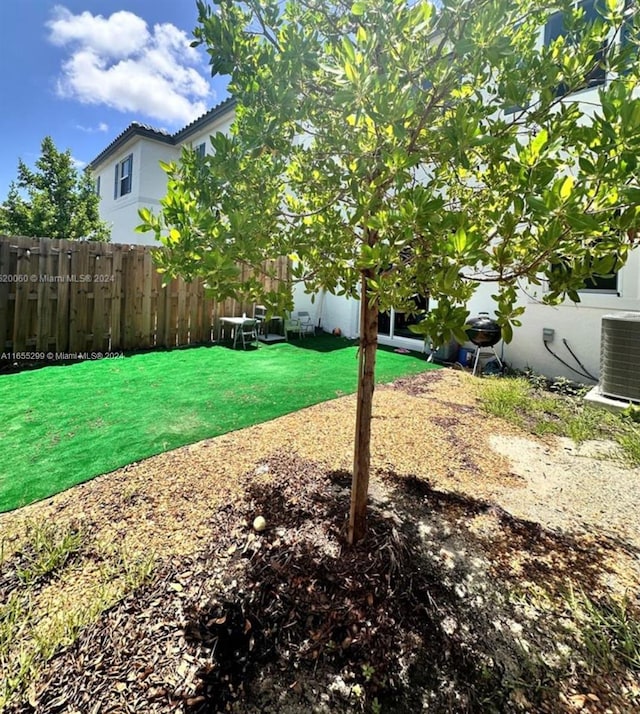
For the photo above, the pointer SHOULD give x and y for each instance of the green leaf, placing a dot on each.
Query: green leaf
(586, 165)
(537, 204)
(451, 276)
(538, 143)
(584, 222)
(566, 188)
(460, 240)
(349, 51)
(350, 71)
(632, 194)
(460, 335)
(358, 8)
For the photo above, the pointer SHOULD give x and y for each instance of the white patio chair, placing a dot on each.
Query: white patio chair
(306, 324)
(247, 331)
(260, 314)
(292, 324)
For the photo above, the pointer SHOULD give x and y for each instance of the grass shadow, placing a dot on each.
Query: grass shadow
(323, 342)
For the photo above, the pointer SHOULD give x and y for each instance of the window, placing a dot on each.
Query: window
(396, 323)
(603, 283)
(555, 28)
(124, 171)
(200, 150)
(97, 186)
(628, 35)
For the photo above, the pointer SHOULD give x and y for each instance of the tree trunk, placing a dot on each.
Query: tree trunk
(366, 383)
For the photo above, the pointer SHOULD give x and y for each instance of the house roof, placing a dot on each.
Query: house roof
(136, 129)
(207, 118)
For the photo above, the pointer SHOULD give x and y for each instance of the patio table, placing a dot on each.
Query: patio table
(235, 322)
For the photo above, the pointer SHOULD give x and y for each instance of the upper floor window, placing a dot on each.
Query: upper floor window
(124, 173)
(97, 186)
(200, 150)
(557, 27)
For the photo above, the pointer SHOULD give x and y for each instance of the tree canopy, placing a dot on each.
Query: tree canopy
(393, 148)
(53, 200)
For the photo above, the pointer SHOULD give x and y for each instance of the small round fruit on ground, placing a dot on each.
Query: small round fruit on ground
(259, 523)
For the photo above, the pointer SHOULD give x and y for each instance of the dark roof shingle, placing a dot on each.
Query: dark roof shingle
(137, 128)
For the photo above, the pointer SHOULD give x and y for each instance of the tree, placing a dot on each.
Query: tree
(60, 202)
(393, 148)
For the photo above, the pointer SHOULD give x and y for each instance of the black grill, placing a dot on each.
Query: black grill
(483, 331)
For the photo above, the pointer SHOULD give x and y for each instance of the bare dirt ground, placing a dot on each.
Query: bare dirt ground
(465, 596)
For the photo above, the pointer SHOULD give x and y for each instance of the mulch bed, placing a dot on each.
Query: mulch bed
(415, 618)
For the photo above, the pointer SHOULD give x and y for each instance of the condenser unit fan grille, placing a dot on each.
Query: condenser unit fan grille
(620, 356)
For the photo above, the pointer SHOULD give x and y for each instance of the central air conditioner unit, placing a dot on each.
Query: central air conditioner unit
(620, 356)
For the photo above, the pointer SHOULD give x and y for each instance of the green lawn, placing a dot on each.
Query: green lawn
(62, 425)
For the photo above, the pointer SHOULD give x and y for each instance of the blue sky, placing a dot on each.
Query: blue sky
(82, 70)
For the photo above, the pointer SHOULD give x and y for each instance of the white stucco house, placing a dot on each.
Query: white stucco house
(555, 341)
(128, 175)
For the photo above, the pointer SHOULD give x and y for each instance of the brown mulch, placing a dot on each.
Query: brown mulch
(426, 615)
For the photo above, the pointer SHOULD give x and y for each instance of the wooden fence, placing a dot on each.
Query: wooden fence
(61, 297)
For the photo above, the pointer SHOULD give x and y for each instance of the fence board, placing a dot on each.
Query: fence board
(22, 289)
(160, 294)
(62, 303)
(5, 266)
(129, 299)
(182, 315)
(79, 299)
(43, 304)
(146, 281)
(100, 283)
(138, 288)
(115, 342)
(172, 312)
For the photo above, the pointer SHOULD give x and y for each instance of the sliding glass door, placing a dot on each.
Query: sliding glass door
(396, 324)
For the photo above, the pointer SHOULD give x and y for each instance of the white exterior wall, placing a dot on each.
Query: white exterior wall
(579, 324)
(152, 186)
(148, 185)
(223, 124)
(329, 311)
(343, 313)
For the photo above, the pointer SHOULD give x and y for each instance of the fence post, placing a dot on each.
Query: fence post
(5, 259)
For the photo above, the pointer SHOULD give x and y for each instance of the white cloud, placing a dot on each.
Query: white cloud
(101, 128)
(78, 163)
(116, 36)
(117, 61)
